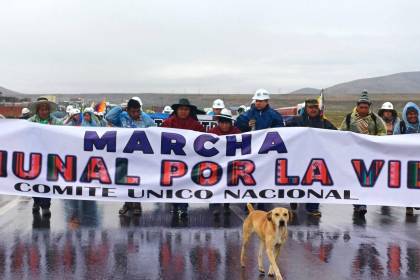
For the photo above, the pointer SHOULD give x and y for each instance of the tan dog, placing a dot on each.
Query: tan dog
(271, 228)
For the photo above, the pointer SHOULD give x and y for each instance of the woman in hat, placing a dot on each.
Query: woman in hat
(224, 127)
(43, 108)
(183, 117)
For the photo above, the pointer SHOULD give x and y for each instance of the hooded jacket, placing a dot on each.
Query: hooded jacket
(266, 118)
(93, 120)
(120, 118)
(409, 127)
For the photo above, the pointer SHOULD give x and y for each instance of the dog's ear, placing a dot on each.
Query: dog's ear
(269, 214)
(290, 215)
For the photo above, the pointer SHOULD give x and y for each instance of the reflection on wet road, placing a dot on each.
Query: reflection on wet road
(88, 240)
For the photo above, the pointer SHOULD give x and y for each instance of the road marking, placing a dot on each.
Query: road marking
(9, 206)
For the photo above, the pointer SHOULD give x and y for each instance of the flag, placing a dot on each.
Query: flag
(101, 106)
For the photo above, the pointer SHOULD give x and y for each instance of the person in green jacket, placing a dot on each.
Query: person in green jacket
(43, 109)
(363, 120)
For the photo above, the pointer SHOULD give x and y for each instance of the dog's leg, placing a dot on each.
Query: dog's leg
(273, 263)
(246, 234)
(260, 258)
(276, 256)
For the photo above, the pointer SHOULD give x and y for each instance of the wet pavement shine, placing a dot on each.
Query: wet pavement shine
(89, 240)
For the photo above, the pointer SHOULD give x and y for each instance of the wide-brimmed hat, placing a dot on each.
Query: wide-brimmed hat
(42, 100)
(184, 102)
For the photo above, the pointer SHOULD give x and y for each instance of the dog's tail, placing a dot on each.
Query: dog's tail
(250, 207)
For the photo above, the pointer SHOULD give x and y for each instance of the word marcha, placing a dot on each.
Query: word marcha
(174, 143)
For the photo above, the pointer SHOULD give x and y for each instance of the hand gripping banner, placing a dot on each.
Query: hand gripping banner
(171, 165)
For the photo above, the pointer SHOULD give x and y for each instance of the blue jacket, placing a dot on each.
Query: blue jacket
(119, 118)
(266, 118)
(408, 127)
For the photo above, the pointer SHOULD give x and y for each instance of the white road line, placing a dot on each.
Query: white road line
(9, 206)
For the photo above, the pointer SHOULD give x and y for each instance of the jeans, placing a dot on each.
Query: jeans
(44, 203)
(310, 207)
(180, 206)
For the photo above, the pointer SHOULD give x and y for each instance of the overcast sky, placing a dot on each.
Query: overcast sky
(202, 45)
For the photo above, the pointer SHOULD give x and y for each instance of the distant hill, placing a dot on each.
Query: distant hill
(308, 91)
(8, 92)
(406, 82)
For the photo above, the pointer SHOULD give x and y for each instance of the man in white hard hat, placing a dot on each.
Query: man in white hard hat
(217, 107)
(241, 109)
(25, 114)
(69, 108)
(167, 110)
(390, 116)
(261, 115)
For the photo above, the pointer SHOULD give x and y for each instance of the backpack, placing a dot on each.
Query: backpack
(373, 116)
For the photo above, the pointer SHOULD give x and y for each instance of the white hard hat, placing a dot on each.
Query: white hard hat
(218, 104)
(69, 108)
(88, 110)
(261, 94)
(167, 110)
(137, 99)
(75, 111)
(25, 111)
(387, 106)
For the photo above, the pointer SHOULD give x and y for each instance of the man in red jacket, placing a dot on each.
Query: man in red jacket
(225, 127)
(183, 117)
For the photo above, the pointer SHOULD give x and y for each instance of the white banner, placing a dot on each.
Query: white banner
(170, 165)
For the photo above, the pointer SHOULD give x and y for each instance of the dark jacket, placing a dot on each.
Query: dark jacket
(306, 121)
(189, 123)
(216, 130)
(266, 118)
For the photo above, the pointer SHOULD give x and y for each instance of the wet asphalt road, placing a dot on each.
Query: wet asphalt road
(88, 240)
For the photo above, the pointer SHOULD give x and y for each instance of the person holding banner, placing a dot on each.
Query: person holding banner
(311, 117)
(261, 115)
(225, 127)
(409, 124)
(183, 117)
(363, 120)
(43, 109)
(131, 117)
